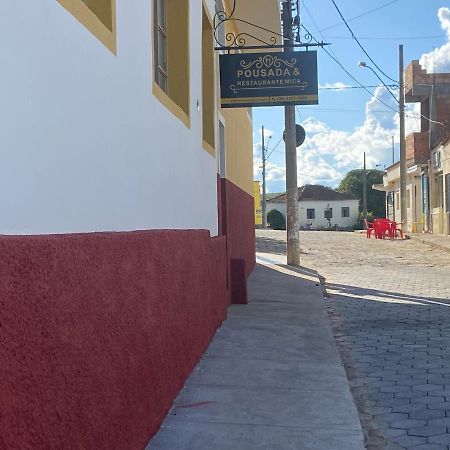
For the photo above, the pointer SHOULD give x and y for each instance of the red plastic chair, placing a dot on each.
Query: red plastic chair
(396, 228)
(369, 228)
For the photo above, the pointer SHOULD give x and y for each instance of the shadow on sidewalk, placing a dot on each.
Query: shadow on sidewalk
(271, 245)
(355, 291)
(395, 349)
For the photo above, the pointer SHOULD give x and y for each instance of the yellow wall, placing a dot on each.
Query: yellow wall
(258, 206)
(103, 10)
(238, 142)
(239, 148)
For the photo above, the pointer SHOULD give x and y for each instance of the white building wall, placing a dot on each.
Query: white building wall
(320, 206)
(84, 145)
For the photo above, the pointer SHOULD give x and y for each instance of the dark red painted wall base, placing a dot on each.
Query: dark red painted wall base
(237, 222)
(99, 331)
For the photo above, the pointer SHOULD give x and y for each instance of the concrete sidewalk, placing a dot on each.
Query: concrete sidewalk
(439, 241)
(272, 378)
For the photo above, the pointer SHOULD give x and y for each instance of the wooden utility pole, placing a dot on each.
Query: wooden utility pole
(401, 105)
(393, 151)
(264, 212)
(365, 188)
(292, 228)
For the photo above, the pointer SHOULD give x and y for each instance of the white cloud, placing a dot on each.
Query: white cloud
(267, 133)
(313, 126)
(438, 60)
(338, 86)
(328, 154)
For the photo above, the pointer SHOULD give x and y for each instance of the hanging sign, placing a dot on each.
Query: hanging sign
(268, 79)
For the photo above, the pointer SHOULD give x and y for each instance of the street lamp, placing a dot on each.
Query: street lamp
(264, 159)
(401, 110)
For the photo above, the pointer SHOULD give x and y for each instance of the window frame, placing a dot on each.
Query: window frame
(438, 194)
(308, 211)
(347, 211)
(92, 23)
(177, 96)
(208, 77)
(158, 31)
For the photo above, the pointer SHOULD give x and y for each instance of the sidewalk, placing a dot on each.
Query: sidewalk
(272, 378)
(440, 241)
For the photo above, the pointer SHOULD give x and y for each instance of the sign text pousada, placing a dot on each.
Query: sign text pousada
(268, 79)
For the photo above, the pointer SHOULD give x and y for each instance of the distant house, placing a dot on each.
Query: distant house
(320, 207)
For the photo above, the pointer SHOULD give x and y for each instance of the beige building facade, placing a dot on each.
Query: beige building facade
(427, 157)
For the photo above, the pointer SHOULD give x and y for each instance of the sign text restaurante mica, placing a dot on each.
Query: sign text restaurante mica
(269, 79)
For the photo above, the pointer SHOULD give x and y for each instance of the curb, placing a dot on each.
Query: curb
(430, 243)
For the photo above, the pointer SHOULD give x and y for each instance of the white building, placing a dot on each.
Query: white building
(111, 283)
(320, 207)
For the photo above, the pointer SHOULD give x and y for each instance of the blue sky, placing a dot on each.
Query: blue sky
(348, 122)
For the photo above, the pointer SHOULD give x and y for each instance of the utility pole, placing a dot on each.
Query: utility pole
(292, 228)
(365, 188)
(401, 105)
(264, 214)
(393, 151)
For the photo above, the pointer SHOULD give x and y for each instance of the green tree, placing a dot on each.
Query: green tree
(353, 184)
(276, 220)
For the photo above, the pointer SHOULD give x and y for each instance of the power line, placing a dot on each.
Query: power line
(386, 38)
(278, 143)
(360, 45)
(315, 24)
(347, 72)
(346, 110)
(354, 87)
(361, 15)
(425, 117)
(362, 48)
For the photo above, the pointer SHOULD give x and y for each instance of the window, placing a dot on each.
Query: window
(447, 192)
(98, 16)
(438, 196)
(390, 198)
(161, 44)
(171, 56)
(345, 211)
(408, 198)
(208, 84)
(397, 200)
(328, 213)
(311, 214)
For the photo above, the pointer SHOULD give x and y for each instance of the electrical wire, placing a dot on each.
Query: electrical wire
(361, 46)
(335, 59)
(360, 85)
(354, 87)
(400, 38)
(361, 15)
(425, 117)
(307, 108)
(278, 143)
(315, 24)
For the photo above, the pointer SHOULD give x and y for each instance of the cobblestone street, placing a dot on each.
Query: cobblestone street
(389, 306)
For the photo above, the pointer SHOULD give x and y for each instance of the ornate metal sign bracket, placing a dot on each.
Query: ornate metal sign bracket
(237, 41)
